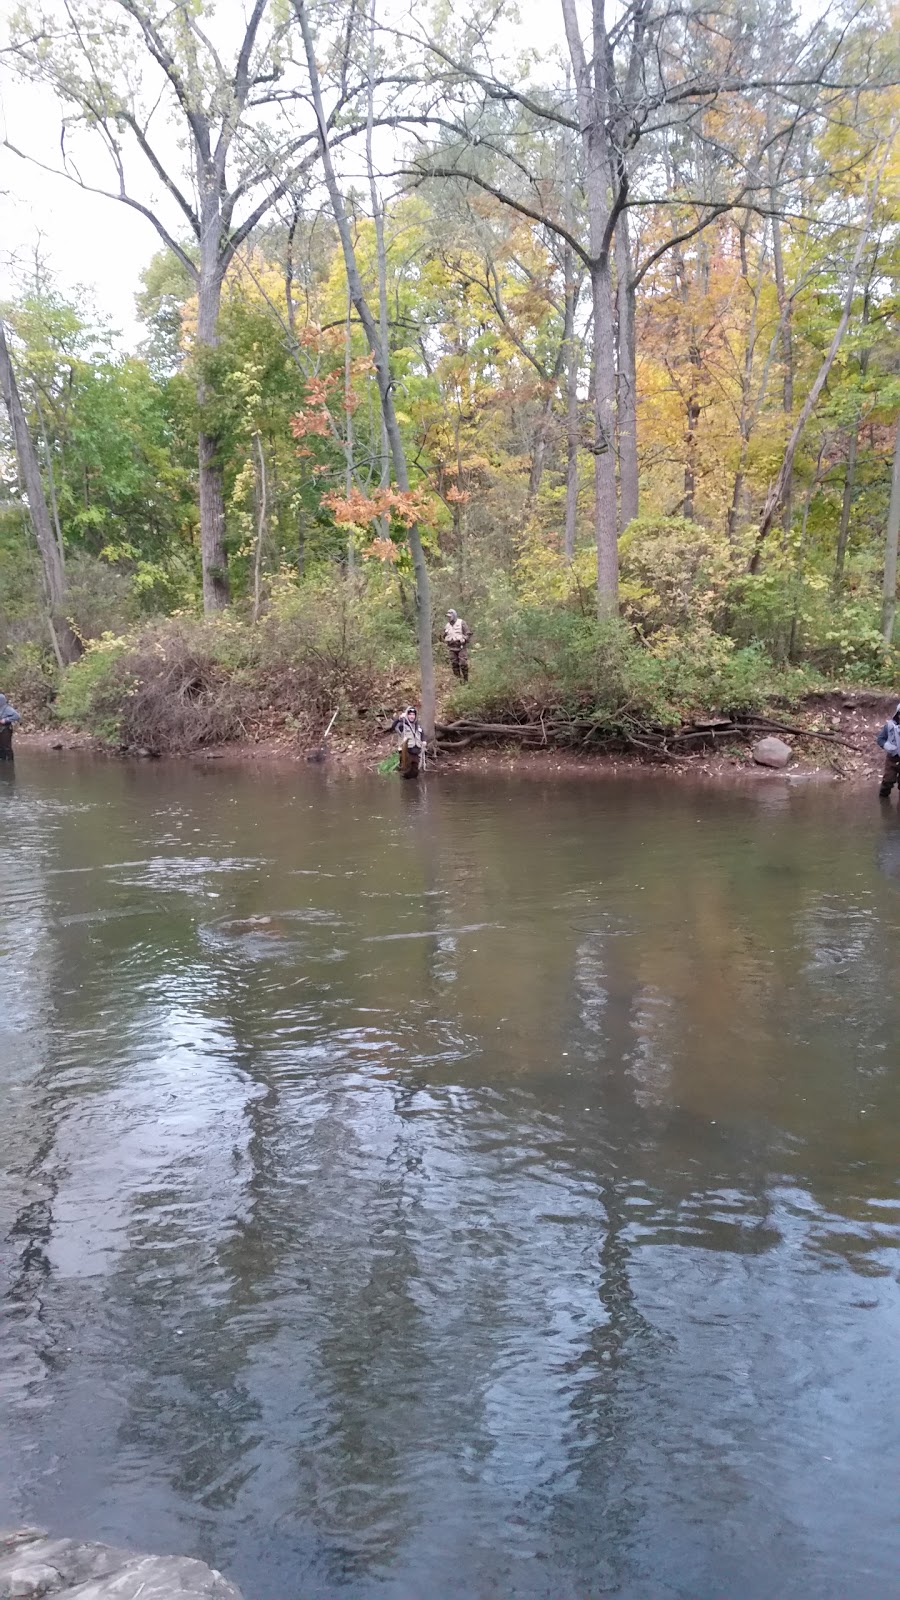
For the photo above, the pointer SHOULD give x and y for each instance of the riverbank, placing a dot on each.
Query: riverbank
(834, 738)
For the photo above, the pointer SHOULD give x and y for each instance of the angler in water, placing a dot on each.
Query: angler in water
(889, 740)
(9, 716)
(457, 634)
(410, 743)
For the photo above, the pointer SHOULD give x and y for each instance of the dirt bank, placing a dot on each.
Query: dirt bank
(848, 751)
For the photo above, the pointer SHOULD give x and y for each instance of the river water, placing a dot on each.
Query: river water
(483, 1189)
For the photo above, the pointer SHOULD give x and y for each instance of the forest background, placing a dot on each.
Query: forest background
(583, 321)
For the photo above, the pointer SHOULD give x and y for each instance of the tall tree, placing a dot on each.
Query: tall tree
(892, 535)
(65, 643)
(382, 362)
(656, 76)
(131, 73)
(784, 477)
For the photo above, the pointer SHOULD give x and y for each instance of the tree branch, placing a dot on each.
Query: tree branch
(109, 194)
(418, 176)
(164, 59)
(131, 121)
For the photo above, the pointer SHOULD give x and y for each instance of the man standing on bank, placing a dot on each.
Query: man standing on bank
(889, 740)
(9, 716)
(457, 634)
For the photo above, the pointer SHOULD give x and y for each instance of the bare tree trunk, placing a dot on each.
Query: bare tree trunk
(349, 465)
(289, 272)
(853, 440)
(571, 526)
(65, 643)
(748, 413)
(605, 507)
(262, 496)
(889, 602)
(459, 513)
(785, 305)
(539, 452)
(571, 353)
(51, 482)
(213, 555)
(381, 358)
(626, 409)
(846, 503)
(692, 403)
(592, 89)
(775, 497)
(801, 554)
(734, 510)
(690, 439)
(380, 246)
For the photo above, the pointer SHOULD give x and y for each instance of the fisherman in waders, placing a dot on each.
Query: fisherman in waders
(410, 743)
(9, 716)
(456, 637)
(889, 740)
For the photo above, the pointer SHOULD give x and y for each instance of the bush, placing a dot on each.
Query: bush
(182, 683)
(90, 694)
(548, 660)
(166, 689)
(101, 598)
(841, 637)
(29, 678)
(562, 665)
(700, 671)
(800, 617)
(327, 646)
(674, 573)
(346, 644)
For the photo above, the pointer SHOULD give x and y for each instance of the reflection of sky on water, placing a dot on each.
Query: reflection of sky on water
(535, 1229)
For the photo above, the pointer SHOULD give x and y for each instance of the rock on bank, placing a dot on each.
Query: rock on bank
(32, 1565)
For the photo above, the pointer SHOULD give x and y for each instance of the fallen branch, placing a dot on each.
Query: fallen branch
(654, 741)
(766, 726)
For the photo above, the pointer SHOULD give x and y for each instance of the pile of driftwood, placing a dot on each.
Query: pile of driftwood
(559, 730)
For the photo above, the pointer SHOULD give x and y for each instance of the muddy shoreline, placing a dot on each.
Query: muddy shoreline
(852, 717)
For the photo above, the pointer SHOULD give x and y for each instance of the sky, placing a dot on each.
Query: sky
(86, 241)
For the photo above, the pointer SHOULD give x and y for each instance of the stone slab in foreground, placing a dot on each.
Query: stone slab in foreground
(32, 1565)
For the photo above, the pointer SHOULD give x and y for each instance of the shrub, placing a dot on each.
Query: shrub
(101, 598)
(29, 678)
(346, 644)
(90, 694)
(674, 572)
(841, 637)
(166, 689)
(548, 660)
(700, 671)
(799, 616)
(562, 665)
(183, 683)
(327, 646)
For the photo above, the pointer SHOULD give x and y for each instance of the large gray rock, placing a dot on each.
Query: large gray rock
(31, 1565)
(771, 752)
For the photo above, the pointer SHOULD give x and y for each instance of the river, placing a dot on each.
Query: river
(480, 1189)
